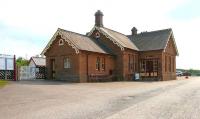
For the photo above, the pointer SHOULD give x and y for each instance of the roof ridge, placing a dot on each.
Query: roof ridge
(115, 31)
(121, 39)
(86, 39)
(73, 32)
(156, 31)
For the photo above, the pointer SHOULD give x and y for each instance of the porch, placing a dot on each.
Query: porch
(150, 69)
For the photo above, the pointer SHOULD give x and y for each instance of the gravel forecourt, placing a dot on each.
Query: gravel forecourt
(177, 99)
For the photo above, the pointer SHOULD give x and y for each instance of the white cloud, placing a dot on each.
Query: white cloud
(19, 48)
(188, 40)
(44, 16)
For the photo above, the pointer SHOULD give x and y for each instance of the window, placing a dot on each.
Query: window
(129, 62)
(134, 63)
(103, 64)
(61, 42)
(97, 35)
(172, 61)
(169, 64)
(155, 65)
(149, 65)
(98, 64)
(67, 63)
(143, 66)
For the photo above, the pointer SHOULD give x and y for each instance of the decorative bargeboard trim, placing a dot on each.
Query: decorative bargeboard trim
(107, 36)
(58, 32)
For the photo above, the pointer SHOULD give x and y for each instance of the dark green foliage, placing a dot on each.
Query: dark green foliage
(21, 62)
(192, 71)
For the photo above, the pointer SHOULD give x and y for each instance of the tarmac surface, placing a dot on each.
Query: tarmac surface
(177, 99)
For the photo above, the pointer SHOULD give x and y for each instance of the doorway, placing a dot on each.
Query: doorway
(149, 67)
(53, 71)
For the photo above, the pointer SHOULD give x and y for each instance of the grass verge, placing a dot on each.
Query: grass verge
(3, 83)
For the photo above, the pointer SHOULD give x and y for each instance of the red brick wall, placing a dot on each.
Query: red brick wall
(170, 53)
(128, 73)
(88, 64)
(79, 70)
(59, 53)
(116, 50)
(84, 63)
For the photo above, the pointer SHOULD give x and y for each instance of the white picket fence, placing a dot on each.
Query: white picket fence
(27, 73)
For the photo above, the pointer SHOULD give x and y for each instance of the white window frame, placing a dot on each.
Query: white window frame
(98, 63)
(103, 63)
(67, 63)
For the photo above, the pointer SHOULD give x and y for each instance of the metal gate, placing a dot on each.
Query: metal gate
(27, 73)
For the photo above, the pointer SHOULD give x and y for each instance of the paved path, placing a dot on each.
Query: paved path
(178, 99)
(177, 102)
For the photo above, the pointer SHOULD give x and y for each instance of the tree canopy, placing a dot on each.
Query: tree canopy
(21, 62)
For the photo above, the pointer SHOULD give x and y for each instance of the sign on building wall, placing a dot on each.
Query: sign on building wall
(10, 64)
(137, 76)
(2, 63)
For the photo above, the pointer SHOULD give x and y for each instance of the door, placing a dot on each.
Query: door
(149, 66)
(53, 71)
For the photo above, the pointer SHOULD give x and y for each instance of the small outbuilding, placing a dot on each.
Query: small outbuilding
(39, 63)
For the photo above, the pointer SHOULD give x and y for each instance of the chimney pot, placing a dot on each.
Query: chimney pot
(134, 31)
(99, 18)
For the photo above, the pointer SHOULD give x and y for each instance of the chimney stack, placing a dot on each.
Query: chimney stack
(134, 31)
(99, 19)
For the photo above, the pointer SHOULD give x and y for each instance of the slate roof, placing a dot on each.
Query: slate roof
(120, 38)
(79, 41)
(39, 61)
(82, 42)
(155, 40)
(145, 41)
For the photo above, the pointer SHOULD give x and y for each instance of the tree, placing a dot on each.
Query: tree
(21, 62)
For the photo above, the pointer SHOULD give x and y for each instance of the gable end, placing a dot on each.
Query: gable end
(107, 36)
(58, 32)
(171, 37)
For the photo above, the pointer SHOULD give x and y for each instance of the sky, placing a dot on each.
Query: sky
(26, 26)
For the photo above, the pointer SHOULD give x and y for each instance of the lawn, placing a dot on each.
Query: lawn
(3, 83)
